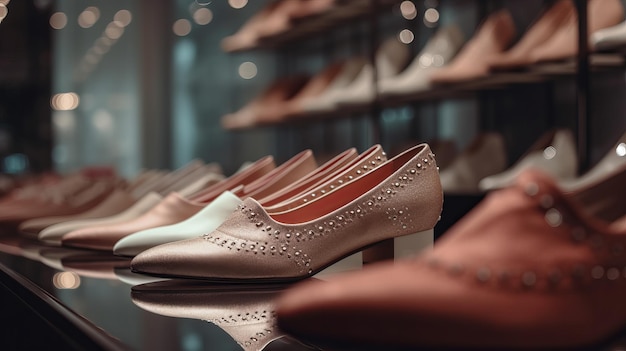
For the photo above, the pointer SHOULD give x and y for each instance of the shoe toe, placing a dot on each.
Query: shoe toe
(94, 239)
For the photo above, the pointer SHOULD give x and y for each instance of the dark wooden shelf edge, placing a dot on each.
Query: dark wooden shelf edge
(462, 90)
(75, 330)
(316, 25)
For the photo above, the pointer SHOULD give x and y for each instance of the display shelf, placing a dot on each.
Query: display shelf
(343, 13)
(101, 305)
(535, 74)
(66, 299)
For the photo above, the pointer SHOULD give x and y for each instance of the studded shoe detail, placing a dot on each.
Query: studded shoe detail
(396, 200)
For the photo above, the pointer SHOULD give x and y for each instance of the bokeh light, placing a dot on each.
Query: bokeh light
(58, 20)
(181, 27)
(88, 17)
(408, 10)
(406, 36)
(237, 4)
(248, 70)
(203, 16)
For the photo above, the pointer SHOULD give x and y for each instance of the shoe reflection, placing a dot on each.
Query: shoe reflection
(125, 275)
(246, 313)
(94, 265)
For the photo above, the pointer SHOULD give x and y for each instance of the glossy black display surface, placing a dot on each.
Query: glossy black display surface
(144, 313)
(169, 315)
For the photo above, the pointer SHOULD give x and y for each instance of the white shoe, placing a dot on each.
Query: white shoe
(554, 154)
(437, 53)
(609, 38)
(391, 58)
(485, 156)
(126, 276)
(53, 234)
(325, 102)
(614, 160)
(201, 223)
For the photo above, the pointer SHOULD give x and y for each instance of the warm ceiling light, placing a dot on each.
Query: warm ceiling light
(620, 150)
(431, 17)
(181, 27)
(114, 30)
(103, 121)
(58, 20)
(408, 10)
(66, 280)
(65, 101)
(203, 16)
(89, 17)
(124, 17)
(406, 36)
(248, 70)
(237, 4)
(4, 11)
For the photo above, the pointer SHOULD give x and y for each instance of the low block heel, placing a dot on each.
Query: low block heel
(351, 263)
(397, 249)
(409, 245)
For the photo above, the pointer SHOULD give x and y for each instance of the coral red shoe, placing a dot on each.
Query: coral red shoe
(529, 268)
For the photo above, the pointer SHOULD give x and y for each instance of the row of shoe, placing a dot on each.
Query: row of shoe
(341, 84)
(482, 166)
(284, 16)
(552, 37)
(133, 217)
(271, 214)
(532, 267)
(85, 196)
(348, 85)
(126, 226)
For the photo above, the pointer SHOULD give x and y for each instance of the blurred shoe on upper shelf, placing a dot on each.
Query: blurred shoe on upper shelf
(537, 34)
(277, 94)
(530, 268)
(437, 53)
(319, 104)
(554, 154)
(492, 38)
(610, 39)
(316, 86)
(312, 8)
(614, 160)
(247, 314)
(279, 20)
(564, 43)
(485, 156)
(247, 36)
(391, 58)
